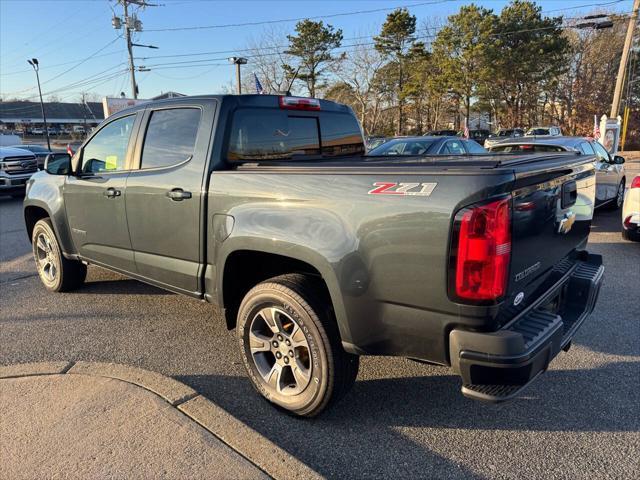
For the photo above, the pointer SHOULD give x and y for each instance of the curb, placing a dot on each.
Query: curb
(257, 449)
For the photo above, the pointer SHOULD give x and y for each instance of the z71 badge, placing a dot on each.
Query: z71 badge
(392, 188)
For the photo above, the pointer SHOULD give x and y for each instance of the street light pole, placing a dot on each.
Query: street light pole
(633, 20)
(34, 63)
(238, 61)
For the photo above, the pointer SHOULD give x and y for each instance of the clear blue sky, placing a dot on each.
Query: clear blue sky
(66, 32)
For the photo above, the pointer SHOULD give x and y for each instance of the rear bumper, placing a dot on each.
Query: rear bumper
(496, 366)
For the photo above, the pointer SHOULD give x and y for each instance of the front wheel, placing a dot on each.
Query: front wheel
(617, 202)
(57, 273)
(290, 345)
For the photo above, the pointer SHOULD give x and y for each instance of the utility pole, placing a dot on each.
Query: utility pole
(36, 66)
(84, 110)
(615, 106)
(238, 61)
(131, 23)
(127, 36)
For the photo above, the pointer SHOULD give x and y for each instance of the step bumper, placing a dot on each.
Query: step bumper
(497, 366)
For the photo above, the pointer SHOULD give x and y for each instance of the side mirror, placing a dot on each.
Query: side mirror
(618, 160)
(58, 164)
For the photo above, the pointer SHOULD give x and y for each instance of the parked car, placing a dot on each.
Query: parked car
(39, 151)
(16, 167)
(544, 132)
(37, 131)
(441, 133)
(610, 173)
(265, 205)
(503, 134)
(631, 212)
(479, 136)
(408, 146)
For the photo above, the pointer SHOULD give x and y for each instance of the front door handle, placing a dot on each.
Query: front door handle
(112, 193)
(178, 194)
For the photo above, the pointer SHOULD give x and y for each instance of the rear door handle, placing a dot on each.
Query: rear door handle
(178, 194)
(112, 192)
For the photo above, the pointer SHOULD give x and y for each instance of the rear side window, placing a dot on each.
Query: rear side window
(474, 147)
(171, 137)
(272, 134)
(539, 148)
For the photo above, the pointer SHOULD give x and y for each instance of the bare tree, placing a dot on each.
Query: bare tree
(267, 58)
(359, 69)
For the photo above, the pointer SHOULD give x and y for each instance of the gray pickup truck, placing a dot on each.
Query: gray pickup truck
(266, 206)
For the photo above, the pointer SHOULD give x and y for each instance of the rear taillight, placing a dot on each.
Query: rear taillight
(482, 250)
(299, 103)
(636, 182)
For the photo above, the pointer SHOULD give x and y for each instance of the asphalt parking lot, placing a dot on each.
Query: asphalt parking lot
(402, 419)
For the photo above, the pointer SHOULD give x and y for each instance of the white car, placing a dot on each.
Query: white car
(631, 212)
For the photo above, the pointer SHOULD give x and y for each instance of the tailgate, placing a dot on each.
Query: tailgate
(553, 203)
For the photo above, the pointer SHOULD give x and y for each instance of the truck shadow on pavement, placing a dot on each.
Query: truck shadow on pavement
(123, 286)
(376, 411)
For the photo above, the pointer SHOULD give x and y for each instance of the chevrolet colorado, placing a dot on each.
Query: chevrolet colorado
(266, 206)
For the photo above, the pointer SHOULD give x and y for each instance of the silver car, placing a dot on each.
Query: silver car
(16, 167)
(610, 173)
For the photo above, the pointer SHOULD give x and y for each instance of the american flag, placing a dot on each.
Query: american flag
(466, 128)
(596, 128)
(259, 89)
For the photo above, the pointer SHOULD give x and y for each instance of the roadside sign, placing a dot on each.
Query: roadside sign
(112, 105)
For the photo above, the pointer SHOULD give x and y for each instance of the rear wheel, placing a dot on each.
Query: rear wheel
(57, 273)
(291, 347)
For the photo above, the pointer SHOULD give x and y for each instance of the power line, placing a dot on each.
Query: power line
(59, 64)
(207, 61)
(285, 20)
(344, 14)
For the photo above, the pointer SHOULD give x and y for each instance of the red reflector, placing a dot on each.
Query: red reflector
(299, 103)
(484, 251)
(526, 147)
(636, 182)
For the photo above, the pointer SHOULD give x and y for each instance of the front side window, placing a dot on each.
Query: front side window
(601, 153)
(107, 150)
(171, 137)
(586, 148)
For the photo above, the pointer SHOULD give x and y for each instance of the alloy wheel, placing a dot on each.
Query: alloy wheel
(280, 351)
(46, 257)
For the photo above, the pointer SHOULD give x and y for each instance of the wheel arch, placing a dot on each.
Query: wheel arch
(243, 268)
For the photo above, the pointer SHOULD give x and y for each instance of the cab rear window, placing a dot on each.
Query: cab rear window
(271, 134)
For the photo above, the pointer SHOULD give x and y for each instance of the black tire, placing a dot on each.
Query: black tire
(307, 327)
(57, 273)
(631, 235)
(616, 203)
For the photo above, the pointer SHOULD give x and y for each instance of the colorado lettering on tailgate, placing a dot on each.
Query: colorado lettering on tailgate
(393, 188)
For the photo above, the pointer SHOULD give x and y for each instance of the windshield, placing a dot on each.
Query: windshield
(403, 147)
